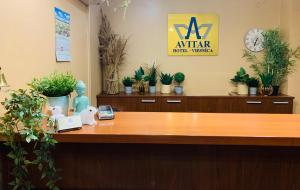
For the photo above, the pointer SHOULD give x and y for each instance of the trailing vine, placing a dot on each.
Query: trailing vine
(22, 124)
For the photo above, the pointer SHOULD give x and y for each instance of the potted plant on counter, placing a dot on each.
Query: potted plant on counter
(139, 78)
(266, 80)
(166, 80)
(179, 78)
(253, 84)
(152, 79)
(240, 79)
(128, 82)
(57, 87)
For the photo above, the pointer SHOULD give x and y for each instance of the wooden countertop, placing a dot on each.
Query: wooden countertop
(191, 128)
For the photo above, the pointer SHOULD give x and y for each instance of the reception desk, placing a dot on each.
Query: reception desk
(181, 151)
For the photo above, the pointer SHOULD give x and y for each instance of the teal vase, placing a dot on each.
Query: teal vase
(61, 101)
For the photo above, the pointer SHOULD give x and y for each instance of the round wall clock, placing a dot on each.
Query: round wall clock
(254, 40)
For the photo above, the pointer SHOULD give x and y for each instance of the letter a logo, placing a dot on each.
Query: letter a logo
(193, 22)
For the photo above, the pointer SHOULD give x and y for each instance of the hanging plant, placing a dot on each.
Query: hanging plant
(22, 125)
(112, 54)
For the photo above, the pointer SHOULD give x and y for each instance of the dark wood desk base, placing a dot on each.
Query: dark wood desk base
(176, 167)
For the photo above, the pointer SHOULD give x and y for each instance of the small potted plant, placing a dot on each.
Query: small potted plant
(128, 82)
(266, 80)
(179, 78)
(57, 87)
(152, 79)
(139, 78)
(166, 80)
(240, 79)
(253, 84)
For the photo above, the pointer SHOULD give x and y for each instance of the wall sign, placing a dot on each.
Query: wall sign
(62, 35)
(193, 34)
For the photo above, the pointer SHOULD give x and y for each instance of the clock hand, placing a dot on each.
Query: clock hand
(255, 42)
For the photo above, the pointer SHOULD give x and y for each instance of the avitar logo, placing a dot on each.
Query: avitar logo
(195, 34)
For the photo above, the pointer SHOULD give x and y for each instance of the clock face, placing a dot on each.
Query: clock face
(254, 40)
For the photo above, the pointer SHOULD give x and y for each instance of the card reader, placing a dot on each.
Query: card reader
(105, 112)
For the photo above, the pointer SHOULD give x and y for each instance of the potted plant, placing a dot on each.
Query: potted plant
(57, 88)
(128, 82)
(266, 80)
(166, 81)
(152, 79)
(29, 141)
(139, 78)
(240, 79)
(278, 58)
(253, 84)
(179, 78)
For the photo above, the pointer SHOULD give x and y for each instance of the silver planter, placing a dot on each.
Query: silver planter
(178, 89)
(128, 89)
(61, 101)
(252, 91)
(152, 89)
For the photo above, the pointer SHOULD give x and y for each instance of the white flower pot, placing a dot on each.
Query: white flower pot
(252, 91)
(165, 89)
(128, 89)
(152, 89)
(242, 89)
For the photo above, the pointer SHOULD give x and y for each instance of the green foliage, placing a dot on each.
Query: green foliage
(278, 58)
(23, 123)
(253, 82)
(179, 77)
(55, 85)
(127, 81)
(139, 74)
(266, 79)
(166, 79)
(152, 76)
(241, 76)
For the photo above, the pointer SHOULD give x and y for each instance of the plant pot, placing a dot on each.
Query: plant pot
(178, 89)
(266, 90)
(128, 89)
(252, 91)
(152, 89)
(275, 91)
(165, 89)
(61, 101)
(242, 89)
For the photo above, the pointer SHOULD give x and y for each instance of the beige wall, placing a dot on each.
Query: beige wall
(146, 26)
(27, 40)
(290, 24)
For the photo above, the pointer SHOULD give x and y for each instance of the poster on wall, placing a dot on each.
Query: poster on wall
(62, 36)
(193, 34)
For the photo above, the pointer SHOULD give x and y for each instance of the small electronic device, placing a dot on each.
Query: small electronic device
(105, 112)
(69, 123)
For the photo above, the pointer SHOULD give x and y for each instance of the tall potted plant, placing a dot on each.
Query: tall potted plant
(139, 78)
(278, 59)
(29, 142)
(152, 79)
(166, 80)
(57, 88)
(179, 78)
(240, 79)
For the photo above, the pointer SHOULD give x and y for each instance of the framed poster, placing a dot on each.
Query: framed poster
(62, 35)
(193, 34)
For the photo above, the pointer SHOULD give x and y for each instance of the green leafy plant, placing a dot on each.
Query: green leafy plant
(127, 81)
(266, 79)
(166, 78)
(241, 76)
(139, 74)
(179, 78)
(253, 82)
(152, 76)
(54, 85)
(278, 59)
(22, 124)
